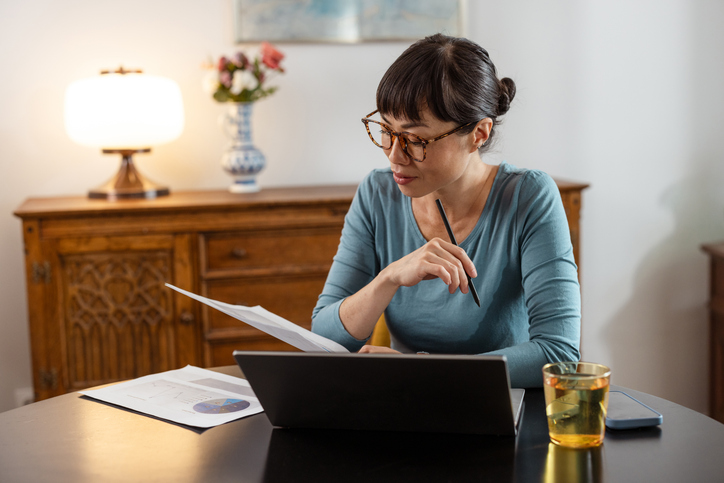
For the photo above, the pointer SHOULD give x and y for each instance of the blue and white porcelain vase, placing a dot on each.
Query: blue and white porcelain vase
(241, 159)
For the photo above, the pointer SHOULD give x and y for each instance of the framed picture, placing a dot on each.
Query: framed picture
(348, 21)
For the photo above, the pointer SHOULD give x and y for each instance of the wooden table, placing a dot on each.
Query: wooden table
(74, 438)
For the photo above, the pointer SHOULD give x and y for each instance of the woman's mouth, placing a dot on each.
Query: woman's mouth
(401, 179)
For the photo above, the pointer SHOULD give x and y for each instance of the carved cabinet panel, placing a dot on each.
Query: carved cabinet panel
(118, 318)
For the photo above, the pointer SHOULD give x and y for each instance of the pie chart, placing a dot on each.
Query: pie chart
(221, 406)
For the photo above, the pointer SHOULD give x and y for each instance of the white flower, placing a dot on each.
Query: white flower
(210, 82)
(243, 79)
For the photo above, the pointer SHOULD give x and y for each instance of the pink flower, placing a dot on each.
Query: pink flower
(222, 64)
(271, 56)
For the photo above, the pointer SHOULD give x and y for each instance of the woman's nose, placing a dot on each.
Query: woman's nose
(396, 154)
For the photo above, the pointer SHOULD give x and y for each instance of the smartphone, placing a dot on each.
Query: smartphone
(626, 412)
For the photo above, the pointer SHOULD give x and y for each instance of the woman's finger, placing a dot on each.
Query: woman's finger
(467, 265)
(453, 265)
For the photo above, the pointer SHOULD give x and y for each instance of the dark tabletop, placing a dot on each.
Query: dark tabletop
(75, 438)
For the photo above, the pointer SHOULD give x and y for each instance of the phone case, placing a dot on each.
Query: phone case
(627, 412)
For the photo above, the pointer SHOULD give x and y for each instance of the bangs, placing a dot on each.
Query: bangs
(433, 76)
(451, 78)
(412, 84)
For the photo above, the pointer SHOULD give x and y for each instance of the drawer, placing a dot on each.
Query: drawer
(269, 250)
(291, 297)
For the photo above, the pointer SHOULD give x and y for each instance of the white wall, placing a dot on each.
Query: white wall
(622, 94)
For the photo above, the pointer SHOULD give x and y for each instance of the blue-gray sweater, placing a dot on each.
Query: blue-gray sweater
(527, 278)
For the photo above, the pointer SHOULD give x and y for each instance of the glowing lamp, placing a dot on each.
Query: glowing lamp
(124, 112)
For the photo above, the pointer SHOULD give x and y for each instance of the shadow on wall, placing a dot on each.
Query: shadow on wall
(666, 312)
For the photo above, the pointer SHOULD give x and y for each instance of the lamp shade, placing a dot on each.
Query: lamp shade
(123, 111)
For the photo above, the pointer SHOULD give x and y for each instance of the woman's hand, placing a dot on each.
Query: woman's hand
(376, 349)
(435, 259)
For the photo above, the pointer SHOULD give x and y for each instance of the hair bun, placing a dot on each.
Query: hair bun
(507, 93)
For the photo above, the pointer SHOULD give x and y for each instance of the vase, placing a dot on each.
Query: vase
(241, 159)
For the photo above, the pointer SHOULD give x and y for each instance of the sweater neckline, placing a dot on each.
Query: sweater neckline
(479, 226)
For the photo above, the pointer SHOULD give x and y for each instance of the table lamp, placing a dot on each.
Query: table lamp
(124, 112)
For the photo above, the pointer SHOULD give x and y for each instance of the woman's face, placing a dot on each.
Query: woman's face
(446, 160)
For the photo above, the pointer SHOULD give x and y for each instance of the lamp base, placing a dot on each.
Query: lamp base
(128, 182)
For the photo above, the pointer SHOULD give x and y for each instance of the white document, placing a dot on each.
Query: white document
(192, 396)
(272, 324)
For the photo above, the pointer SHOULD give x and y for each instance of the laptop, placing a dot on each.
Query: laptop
(385, 392)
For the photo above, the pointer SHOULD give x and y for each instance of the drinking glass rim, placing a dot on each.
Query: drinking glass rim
(606, 372)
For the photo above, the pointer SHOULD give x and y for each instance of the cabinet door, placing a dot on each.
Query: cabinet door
(115, 318)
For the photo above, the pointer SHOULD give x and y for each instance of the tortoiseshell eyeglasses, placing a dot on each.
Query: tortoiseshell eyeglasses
(413, 145)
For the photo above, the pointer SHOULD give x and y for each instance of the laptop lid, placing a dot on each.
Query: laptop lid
(387, 392)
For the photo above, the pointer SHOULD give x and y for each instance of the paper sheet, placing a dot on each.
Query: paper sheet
(192, 396)
(272, 324)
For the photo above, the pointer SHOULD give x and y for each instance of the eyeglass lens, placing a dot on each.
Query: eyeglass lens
(413, 145)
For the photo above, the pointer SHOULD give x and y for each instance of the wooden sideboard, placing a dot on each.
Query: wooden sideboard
(97, 306)
(716, 330)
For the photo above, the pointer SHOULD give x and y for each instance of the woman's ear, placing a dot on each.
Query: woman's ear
(481, 133)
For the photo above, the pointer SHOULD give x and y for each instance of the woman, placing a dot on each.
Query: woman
(438, 106)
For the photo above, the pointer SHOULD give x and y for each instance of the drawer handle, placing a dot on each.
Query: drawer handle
(239, 252)
(187, 318)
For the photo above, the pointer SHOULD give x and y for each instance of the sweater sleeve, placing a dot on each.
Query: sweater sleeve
(550, 283)
(353, 267)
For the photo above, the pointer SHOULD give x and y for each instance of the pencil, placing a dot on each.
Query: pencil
(454, 242)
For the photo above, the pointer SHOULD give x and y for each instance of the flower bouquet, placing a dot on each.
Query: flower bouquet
(238, 82)
(244, 79)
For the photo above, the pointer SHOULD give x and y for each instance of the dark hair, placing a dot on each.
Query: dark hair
(453, 77)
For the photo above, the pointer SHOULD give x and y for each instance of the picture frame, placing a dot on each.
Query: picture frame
(346, 21)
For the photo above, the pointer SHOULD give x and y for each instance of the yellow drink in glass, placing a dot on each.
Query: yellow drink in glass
(576, 395)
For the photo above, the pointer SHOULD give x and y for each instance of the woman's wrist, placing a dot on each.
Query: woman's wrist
(386, 279)
(359, 312)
